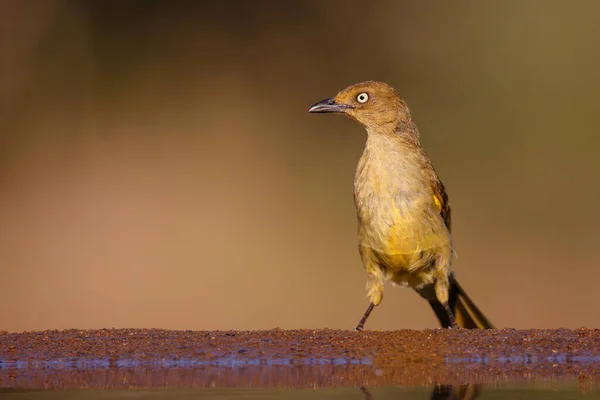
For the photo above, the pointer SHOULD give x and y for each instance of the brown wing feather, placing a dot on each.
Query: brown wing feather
(441, 199)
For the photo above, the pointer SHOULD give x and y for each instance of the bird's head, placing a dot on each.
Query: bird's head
(374, 104)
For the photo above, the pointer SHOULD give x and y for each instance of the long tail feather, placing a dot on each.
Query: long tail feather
(465, 311)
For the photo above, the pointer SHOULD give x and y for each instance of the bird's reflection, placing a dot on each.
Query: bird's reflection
(444, 392)
(460, 392)
(365, 392)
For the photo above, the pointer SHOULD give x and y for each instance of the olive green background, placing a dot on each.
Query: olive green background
(158, 167)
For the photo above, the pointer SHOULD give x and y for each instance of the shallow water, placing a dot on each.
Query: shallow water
(523, 391)
(301, 364)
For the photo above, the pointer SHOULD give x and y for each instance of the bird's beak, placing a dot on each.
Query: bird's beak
(328, 106)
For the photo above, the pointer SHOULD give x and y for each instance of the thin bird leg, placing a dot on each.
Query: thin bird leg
(450, 315)
(361, 324)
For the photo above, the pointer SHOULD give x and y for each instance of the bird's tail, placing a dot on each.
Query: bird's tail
(467, 314)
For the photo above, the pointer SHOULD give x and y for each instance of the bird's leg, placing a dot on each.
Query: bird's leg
(375, 280)
(450, 315)
(362, 321)
(442, 290)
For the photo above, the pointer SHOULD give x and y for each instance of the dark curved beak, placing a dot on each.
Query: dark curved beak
(328, 106)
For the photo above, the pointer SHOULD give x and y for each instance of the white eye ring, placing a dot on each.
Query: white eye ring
(362, 98)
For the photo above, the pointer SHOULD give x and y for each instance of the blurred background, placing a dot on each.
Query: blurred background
(158, 167)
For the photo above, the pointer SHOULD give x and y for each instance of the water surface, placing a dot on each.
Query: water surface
(522, 391)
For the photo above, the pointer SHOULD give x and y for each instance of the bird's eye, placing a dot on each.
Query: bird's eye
(362, 98)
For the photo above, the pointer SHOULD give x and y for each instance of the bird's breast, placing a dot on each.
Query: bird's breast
(396, 209)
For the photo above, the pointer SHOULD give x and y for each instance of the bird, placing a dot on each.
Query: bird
(403, 210)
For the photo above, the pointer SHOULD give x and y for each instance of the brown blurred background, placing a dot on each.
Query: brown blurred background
(158, 167)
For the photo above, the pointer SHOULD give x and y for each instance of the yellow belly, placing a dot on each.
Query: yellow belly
(414, 269)
(404, 235)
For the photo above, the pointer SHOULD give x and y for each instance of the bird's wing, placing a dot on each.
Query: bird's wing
(441, 199)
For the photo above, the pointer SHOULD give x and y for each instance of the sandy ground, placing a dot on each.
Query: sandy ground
(121, 358)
